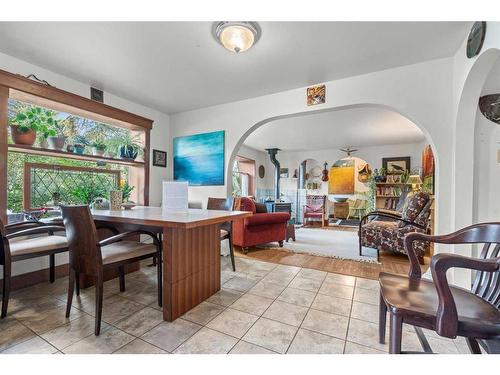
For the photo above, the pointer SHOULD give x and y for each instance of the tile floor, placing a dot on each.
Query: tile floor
(261, 308)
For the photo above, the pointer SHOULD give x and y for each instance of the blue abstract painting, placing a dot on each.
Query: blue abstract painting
(199, 159)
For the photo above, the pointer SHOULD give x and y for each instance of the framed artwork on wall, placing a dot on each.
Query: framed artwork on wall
(159, 158)
(316, 95)
(199, 159)
(284, 172)
(428, 170)
(396, 165)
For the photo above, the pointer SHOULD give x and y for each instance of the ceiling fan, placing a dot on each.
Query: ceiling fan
(348, 150)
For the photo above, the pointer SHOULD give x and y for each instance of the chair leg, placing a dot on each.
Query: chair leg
(280, 243)
(71, 289)
(473, 346)
(382, 320)
(231, 252)
(396, 332)
(98, 304)
(6, 288)
(52, 268)
(121, 274)
(159, 272)
(77, 283)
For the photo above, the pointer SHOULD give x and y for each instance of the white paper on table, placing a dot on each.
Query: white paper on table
(175, 196)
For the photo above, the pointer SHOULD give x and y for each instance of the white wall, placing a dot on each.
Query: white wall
(421, 92)
(160, 136)
(261, 158)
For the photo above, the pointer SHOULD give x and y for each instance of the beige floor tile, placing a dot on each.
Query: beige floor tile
(233, 322)
(334, 305)
(326, 323)
(340, 279)
(114, 308)
(286, 313)
(288, 269)
(280, 277)
(140, 322)
(241, 283)
(267, 289)
(203, 313)
(32, 346)
(207, 341)
(109, 340)
(139, 347)
(12, 333)
(252, 304)
(308, 342)
(365, 333)
(366, 311)
(271, 335)
(259, 269)
(367, 284)
(297, 297)
(335, 289)
(308, 273)
(305, 284)
(42, 319)
(169, 335)
(353, 348)
(243, 347)
(366, 296)
(224, 297)
(141, 292)
(442, 346)
(72, 332)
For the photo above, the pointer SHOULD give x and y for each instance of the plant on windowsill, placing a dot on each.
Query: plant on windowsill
(80, 143)
(24, 126)
(128, 146)
(98, 147)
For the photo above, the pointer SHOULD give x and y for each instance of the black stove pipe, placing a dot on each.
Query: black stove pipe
(272, 154)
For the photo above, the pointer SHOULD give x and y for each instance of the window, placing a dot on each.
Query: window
(243, 177)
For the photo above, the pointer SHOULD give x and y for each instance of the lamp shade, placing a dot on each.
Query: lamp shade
(414, 179)
(237, 36)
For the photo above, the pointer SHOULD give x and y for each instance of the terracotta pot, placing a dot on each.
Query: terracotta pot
(19, 138)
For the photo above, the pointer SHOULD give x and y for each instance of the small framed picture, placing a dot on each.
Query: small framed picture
(159, 158)
(316, 95)
(284, 172)
(396, 165)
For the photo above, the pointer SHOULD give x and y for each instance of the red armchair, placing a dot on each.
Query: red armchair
(315, 208)
(260, 228)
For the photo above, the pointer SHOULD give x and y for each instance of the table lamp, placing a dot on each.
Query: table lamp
(415, 182)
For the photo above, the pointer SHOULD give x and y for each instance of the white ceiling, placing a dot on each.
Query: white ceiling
(358, 127)
(178, 66)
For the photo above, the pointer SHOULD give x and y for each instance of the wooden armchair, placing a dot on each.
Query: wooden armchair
(389, 235)
(89, 256)
(14, 246)
(314, 208)
(226, 229)
(450, 311)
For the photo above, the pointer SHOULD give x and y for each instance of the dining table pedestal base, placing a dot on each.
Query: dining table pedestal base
(191, 267)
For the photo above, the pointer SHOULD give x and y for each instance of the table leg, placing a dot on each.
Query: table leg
(191, 268)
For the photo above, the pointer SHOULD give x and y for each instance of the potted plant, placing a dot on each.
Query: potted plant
(55, 138)
(383, 174)
(129, 147)
(80, 143)
(98, 147)
(25, 125)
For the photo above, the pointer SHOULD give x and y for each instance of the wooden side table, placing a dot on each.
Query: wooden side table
(290, 232)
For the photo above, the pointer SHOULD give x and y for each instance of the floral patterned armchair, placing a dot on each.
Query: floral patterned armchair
(389, 235)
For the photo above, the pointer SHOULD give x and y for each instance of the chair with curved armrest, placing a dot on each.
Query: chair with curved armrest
(434, 304)
(388, 235)
(89, 256)
(226, 229)
(15, 246)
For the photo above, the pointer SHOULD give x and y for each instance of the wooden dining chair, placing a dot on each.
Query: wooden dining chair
(17, 244)
(91, 257)
(434, 304)
(226, 229)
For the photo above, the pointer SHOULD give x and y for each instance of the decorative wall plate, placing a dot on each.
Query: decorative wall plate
(262, 171)
(476, 38)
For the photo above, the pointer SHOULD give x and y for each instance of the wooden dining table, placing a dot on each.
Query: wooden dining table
(191, 250)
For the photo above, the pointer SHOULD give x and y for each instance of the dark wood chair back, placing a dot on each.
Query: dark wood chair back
(223, 204)
(83, 241)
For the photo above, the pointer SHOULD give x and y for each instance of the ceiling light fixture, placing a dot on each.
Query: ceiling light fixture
(237, 36)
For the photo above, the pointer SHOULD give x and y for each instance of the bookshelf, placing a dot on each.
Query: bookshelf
(387, 194)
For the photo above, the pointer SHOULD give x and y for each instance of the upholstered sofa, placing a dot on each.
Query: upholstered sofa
(389, 235)
(260, 228)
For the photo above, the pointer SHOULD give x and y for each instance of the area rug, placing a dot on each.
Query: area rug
(330, 243)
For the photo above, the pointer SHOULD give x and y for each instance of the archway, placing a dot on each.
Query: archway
(322, 113)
